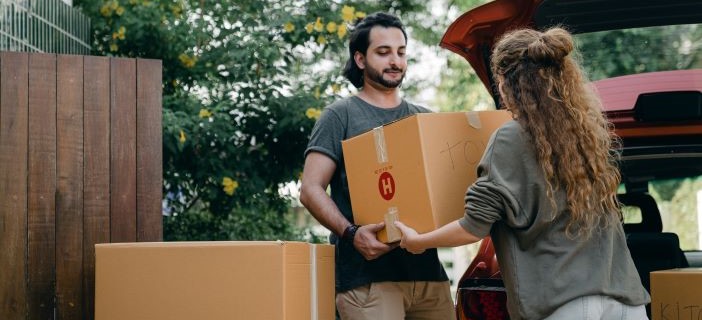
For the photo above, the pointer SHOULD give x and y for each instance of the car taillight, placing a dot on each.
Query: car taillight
(482, 302)
(481, 292)
(493, 304)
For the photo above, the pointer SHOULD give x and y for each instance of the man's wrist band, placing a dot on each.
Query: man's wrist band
(350, 233)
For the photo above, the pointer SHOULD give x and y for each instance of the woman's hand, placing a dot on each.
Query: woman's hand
(410, 239)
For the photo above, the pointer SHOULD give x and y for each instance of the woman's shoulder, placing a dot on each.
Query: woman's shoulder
(510, 131)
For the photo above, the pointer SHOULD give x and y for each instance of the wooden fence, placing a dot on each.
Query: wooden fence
(80, 164)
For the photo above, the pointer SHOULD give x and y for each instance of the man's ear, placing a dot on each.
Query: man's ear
(360, 60)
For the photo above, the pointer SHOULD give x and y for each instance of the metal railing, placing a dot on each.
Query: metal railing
(50, 26)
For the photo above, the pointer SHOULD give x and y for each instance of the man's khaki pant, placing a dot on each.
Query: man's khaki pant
(411, 300)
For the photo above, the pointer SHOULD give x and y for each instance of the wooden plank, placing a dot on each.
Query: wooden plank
(149, 151)
(41, 203)
(123, 150)
(96, 195)
(13, 184)
(69, 190)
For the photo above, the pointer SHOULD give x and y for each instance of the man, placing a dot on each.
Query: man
(373, 280)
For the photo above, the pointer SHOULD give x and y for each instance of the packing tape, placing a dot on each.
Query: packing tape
(313, 284)
(474, 119)
(380, 150)
(392, 231)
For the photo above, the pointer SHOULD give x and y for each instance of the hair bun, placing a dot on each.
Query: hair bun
(551, 47)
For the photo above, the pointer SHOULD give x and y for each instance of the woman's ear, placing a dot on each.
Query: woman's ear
(500, 87)
(360, 60)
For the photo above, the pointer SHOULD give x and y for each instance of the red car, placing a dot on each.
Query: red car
(645, 60)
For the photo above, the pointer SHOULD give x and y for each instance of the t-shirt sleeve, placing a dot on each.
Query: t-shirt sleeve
(326, 135)
(490, 199)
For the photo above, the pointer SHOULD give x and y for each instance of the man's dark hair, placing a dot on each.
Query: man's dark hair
(360, 39)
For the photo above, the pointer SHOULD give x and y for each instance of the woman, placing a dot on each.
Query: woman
(546, 191)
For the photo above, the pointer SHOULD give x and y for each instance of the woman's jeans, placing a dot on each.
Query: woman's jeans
(598, 308)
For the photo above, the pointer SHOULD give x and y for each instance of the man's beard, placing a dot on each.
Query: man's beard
(376, 76)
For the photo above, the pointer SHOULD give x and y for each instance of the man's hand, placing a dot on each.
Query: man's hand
(409, 238)
(367, 243)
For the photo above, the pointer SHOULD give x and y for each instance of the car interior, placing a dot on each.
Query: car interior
(655, 245)
(650, 247)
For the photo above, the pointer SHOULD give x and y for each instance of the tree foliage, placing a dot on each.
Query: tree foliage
(621, 52)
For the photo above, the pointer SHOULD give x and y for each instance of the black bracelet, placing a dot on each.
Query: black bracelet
(350, 233)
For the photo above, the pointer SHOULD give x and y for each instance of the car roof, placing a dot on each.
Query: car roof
(474, 33)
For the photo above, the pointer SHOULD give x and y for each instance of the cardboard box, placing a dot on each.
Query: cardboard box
(676, 294)
(417, 169)
(214, 280)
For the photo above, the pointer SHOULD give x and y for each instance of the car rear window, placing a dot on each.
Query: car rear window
(615, 53)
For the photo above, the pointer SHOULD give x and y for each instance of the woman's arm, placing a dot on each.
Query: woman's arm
(449, 235)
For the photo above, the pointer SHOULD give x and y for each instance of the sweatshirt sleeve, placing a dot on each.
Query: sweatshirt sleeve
(500, 175)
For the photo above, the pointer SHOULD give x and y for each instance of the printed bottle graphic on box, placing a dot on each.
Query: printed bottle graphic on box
(417, 169)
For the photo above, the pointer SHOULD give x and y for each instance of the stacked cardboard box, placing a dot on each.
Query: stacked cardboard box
(417, 169)
(676, 294)
(214, 280)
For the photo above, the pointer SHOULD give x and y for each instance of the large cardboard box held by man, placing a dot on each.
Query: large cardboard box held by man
(214, 280)
(417, 169)
(676, 294)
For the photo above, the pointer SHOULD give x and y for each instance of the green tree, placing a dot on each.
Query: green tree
(243, 83)
(460, 89)
(621, 52)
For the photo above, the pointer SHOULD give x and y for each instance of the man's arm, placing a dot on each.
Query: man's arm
(317, 174)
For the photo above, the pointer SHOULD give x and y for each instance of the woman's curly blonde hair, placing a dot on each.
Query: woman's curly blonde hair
(546, 90)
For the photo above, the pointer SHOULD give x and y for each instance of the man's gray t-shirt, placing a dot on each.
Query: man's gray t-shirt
(542, 267)
(339, 121)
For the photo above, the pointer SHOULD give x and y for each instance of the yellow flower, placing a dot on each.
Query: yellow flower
(321, 39)
(184, 59)
(119, 34)
(318, 25)
(113, 47)
(335, 88)
(316, 93)
(204, 113)
(313, 113)
(182, 136)
(177, 10)
(114, 5)
(347, 13)
(289, 27)
(360, 14)
(119, 11)
(132, 2)
(341, 31)
(229, 185)
(331, 27)
(105, 10)
(309, 27)
(187, 61)
(310, 113)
